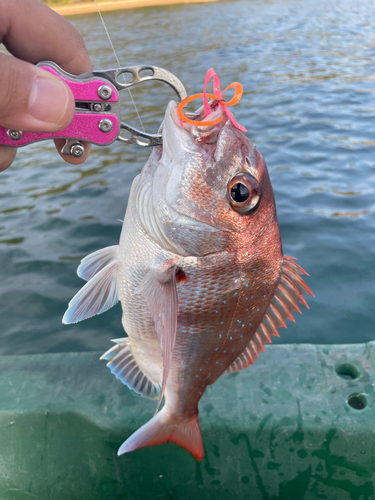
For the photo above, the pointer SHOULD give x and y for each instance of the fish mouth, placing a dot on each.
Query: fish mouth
(206, 134)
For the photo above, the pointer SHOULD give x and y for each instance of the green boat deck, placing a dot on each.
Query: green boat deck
(299, 424)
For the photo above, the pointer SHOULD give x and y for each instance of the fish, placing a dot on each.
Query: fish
(199, 270)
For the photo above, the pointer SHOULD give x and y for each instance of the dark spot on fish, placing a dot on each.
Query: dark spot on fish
(180, 275)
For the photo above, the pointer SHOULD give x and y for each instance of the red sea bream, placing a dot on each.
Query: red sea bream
(199, 271)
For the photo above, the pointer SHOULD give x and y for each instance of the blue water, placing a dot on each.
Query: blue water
(307, 68)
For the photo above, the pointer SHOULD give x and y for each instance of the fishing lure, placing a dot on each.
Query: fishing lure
(97, 117)
(208, 107)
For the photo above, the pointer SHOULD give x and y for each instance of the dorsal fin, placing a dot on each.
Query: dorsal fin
(288, 292)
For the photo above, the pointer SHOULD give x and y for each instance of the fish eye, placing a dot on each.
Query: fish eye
(244, 193)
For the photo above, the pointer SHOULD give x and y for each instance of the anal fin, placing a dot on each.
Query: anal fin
(124, 367)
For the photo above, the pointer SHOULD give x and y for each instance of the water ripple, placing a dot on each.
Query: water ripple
(307, 67)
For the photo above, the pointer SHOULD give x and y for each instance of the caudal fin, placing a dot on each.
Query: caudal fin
(165, 427)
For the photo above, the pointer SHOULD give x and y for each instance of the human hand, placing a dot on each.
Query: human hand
(32, 99)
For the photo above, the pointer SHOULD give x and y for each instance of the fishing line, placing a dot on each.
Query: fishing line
(118, 64)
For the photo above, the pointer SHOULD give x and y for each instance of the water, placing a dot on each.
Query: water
(308, 73)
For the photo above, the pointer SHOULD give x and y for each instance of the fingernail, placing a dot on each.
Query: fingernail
(49, 100)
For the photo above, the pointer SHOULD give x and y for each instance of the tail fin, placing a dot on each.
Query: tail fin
(165, 427)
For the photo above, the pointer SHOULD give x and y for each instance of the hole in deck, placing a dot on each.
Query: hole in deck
(347, 371)
(357, 401)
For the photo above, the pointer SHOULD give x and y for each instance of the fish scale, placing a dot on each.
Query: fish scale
(200, 274)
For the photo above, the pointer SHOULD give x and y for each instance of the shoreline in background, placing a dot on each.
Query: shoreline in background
(89, 7)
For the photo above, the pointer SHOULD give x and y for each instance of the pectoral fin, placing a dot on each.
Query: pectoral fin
(160, 291)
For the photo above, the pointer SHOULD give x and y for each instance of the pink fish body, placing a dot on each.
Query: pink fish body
(199, 271)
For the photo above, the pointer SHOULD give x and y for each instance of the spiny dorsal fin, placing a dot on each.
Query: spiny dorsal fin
(124, 367)
(288, 292)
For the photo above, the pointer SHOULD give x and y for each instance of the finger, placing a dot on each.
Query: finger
(59, 143)
(33, 99)
(33, 32)
(7, 156)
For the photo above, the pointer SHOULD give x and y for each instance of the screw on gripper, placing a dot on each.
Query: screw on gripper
(105, 92)
(72, 147)
(15, 135)
(77, 150)
(105, 125)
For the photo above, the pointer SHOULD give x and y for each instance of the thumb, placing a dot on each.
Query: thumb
(32, 99)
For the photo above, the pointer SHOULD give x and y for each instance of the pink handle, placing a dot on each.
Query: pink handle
(85, 91)
(85, 126)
